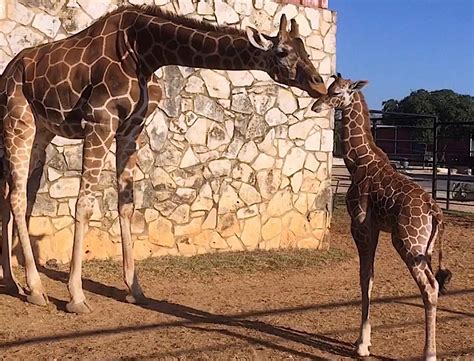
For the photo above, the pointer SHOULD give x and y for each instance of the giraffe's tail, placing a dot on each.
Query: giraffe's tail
(443, 275)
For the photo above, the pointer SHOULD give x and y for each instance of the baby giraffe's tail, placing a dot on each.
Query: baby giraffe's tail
(443, 275)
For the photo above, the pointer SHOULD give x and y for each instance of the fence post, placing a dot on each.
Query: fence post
(448, 187)
(435, 157)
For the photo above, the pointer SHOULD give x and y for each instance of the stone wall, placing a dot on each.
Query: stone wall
(230, 160)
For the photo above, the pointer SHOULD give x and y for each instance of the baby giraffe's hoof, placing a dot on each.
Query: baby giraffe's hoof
(363, 350)
(138, 299)
(38, 298)
(79, 307)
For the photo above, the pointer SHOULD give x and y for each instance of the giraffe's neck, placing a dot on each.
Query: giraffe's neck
(162, 41)
(357, 141)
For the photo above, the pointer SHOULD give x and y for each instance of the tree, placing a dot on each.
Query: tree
(446, 104)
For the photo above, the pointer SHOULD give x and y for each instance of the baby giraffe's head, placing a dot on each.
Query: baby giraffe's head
(339, 94)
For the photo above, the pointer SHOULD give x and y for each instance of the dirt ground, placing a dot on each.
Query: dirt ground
(258, 306)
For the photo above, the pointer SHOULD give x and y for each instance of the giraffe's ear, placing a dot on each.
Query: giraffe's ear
(294, 30)
(257, 39)
(358, 85)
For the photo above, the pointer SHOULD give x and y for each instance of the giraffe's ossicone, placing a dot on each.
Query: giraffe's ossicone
(381, 199)
(99, 85)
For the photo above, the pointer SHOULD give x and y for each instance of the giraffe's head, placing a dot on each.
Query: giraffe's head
(339, 93)
(287, 60)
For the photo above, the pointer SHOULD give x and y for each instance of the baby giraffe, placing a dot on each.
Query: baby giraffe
(381, 199)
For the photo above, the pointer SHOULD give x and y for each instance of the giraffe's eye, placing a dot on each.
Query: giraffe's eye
(281, 53)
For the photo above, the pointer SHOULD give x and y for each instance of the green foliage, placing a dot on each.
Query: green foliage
(447, 105)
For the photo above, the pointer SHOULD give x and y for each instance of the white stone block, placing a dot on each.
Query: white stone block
(313, 142)
(20, 13)
(301, 130)
(263, 161)
(275, 117)
(47, 24)
(327, 140)
(225, 14)
(313, 16)
(197, 133)
(294, 161)
(217, 85)
(286, 101)
(186, 7)
(189, 159)
(240, 77)
(303, 25)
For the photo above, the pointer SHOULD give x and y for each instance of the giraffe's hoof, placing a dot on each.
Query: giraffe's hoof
(138, 299)
(79, 307)
(38, 298)
(14, 289)
(363, 350)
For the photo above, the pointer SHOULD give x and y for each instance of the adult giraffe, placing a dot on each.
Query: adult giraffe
(98, 85)
(381, 199)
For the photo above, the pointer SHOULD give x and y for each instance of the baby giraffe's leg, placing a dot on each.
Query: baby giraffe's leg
(418, 265)
(366, 239)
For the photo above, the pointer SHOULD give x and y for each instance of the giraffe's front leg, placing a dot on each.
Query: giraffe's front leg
(126, 160)
(96, 146)
(366, 238)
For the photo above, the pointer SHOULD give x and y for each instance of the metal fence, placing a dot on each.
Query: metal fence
(438, 155)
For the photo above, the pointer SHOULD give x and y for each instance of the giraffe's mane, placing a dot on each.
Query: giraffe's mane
(154, 10)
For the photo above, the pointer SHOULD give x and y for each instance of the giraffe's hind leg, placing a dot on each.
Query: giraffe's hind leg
(19, 132)
(414, 253)
(11, 284)
(366, 238)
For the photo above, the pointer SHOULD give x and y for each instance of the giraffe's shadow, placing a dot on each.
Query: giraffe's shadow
(252, 331)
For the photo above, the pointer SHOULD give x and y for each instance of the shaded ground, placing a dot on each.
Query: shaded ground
(254, 306)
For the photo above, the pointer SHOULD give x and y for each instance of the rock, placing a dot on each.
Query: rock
(263, 161)
(151, 215)
(301, 130)
(313, 142)
(22, 37)
(291, 11)
(181, 214)
(73, 156)
(325, 66)
(249, 194)
(220, 167)
(161, 180)
(315, 41)
(208, 108)
(40, 226)
(204, 200)
(244, 173)
(304, 28)
(160, 232)
(185, 195)
(194, 85)
(311, 163)
(229, 201)
(280, 203)
(286, 101)
(247, 212)
(330, 43)
(268, 182)
(204, 7)
(186, 7)
(217, 136)
(275, 117)
(256, 128)
(225, 14)
(193, 227)
(157, 131)
(189, 159)
(284, 146)
(217, 85)
(95, 9)
(296, 181)
(19, 13)
(271, 229)
(248, 152)
(211, 220)
(144, 194)
(228, 225)
(294, 161)
(47, 24)
(313, 16)
(251, 236)
(241, 102)
(234, 148)
(327, 140)
(65, 187)
(240, 77)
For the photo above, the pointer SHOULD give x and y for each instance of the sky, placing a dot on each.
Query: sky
(405, 45)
